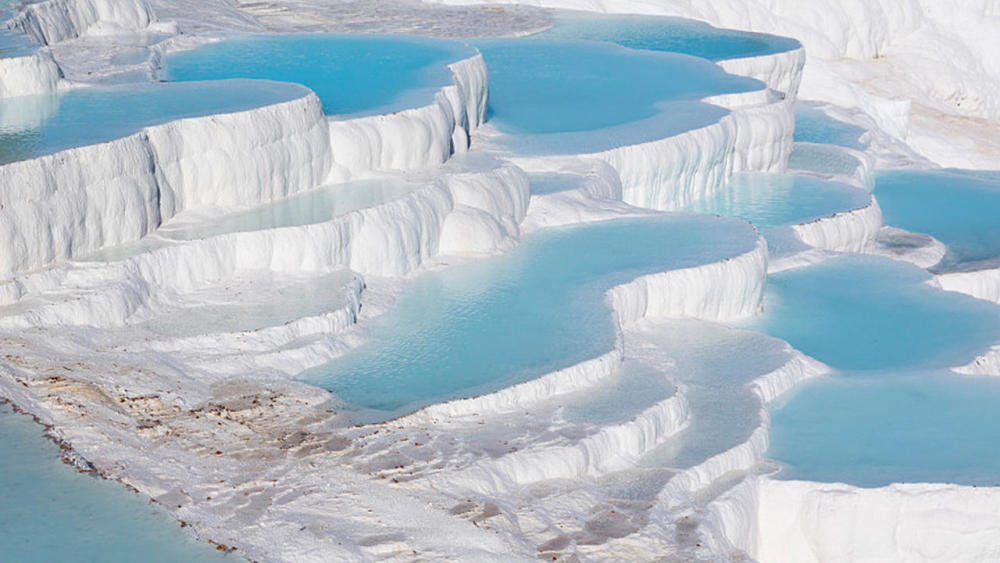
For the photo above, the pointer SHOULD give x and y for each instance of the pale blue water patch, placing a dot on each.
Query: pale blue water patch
(551, 183)
(485, 325)
(869, 313)
(893, 428)
(769, 200)
(814, 126)
(50, 512)
(546, 101)
(774, 203)
(352, 74)
(715, 364)
(314, 206)
(307, 208)
(676, 35)
(86, 116)
(822, 159)
(959, 208)
(13, 43)
(635, 388)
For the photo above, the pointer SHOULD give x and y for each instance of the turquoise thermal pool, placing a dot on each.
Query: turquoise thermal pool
(351, 74)
(814, 126)
(546, 102)
(769, 200)
(676, 35)
(891, 412)
(902, 427)
(479, 327)
(87, 116)
(869, 313)
(958, 208)
(51, 512)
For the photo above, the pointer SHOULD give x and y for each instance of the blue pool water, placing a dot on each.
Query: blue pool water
(959, 208)
(890, 412)
(351, 74)
(869, 313)
(822, 159)
(50, 512)
(87, 116)
(548, 102)
(814, 126)
(13, 43)
(769, 200)
(906, 427)
(676, 35)
(482, 326)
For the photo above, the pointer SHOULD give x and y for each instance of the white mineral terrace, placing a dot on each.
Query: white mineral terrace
(157, 311)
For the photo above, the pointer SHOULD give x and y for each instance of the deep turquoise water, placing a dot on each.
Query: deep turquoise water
(959, 208)
(38, 125)
(676, 35)
(891, 428)
(548, 102)
(50, 512)
(492, 323)
(869, 313)
(814, 126)
(351, 74)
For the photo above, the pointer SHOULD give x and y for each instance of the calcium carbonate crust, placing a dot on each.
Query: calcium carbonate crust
(28, 75)
(54, 21)
(80, 200)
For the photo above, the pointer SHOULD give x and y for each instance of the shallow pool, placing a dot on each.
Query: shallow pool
(50, 512)
(769, 200)
(676, 35)
(890, 412)
(546, 102)
(959, 208)
(481, 326)
(307, 208)
(892, 428)
(33, 126)
(822, 159)
(352, 74)
(13, 43)
(869, 313)
(814, 126)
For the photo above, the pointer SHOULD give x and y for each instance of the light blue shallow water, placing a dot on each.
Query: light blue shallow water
(870, 313)
(959, 208)
(773, 203)
(50, 512)
(352, 74)
(34, 126)
(814, 126)
(769, 200)
(822, 159)
(909, 427)
(13, 43)
(676, 35)
(489, 324)
(891, 412)
(547, 102)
